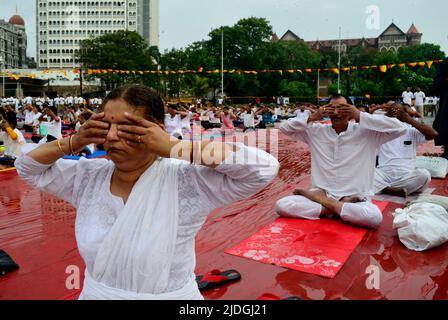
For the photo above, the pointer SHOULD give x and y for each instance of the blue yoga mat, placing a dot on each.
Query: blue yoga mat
(96, 154)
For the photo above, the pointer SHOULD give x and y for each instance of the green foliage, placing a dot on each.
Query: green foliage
(395, 80)
(122, 50)
(247, 46)
(423, 52)
(295, 89)
(199, 86)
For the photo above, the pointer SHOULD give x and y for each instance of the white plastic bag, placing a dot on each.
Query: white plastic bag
(438, 167)
(430, 198)
(422, 226)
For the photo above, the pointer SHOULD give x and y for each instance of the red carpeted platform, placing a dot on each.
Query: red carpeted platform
(37, 230)
(318, 247)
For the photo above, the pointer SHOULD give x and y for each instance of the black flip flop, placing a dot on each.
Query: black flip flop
(217, 278)
(6, 263)
(270, 296)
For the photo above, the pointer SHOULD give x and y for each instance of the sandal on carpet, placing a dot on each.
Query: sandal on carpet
(217, 278)
(6, 263)
(270, 296)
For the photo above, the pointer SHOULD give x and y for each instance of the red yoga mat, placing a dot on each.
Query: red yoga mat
(314, 246)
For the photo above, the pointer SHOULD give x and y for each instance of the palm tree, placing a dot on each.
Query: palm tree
(200, 86)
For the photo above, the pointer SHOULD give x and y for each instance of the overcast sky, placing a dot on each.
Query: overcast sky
(185, 21)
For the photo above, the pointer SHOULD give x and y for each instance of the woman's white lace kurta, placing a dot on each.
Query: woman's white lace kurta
(145, 249)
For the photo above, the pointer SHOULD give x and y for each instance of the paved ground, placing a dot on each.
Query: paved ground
(37, 230)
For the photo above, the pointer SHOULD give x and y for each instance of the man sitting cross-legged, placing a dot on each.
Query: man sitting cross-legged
(396, 173)
(343, 156)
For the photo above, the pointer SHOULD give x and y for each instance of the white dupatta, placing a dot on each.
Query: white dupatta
(134, 261)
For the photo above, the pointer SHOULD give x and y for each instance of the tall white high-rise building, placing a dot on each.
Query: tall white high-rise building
(63, 24)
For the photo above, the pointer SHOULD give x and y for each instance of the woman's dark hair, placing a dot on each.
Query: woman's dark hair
(12, 119)
(139, 96)
(339, 96)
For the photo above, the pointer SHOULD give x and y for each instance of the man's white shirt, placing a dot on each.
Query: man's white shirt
(400, 154)
(407, 97)
(344, 164)
(419, 98)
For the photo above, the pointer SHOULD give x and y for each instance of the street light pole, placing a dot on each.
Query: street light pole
(80, 81)
(318, 86)
(3, 78)
(339, 63)
(222, 65)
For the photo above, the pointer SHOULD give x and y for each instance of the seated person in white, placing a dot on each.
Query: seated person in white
(173, 123)
(53, 124)
(343, 156)
(29, 118)
(396, 172)
(138, 214)
(248, 117)
(214, 118)
(302, 111)
(36, 121)
(12, 139)
(186, 118)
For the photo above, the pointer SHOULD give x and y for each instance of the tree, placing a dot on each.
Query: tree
(247, 46)
(173, 60)
(392, 83)
(289, 55)
(295, 89)
(422, 52)
(122, 50)
(199, 87)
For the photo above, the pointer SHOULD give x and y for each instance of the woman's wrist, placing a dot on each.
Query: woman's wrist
(64, 145)
(74, 144)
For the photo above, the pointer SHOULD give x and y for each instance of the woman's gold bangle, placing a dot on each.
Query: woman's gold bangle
(71, 145)
(60, 147)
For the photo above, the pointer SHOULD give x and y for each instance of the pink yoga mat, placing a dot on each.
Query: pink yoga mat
(319, 247)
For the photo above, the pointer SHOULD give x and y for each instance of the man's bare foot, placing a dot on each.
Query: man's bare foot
(316, 196)
(353, 199)
(396, 192)
(309, 193)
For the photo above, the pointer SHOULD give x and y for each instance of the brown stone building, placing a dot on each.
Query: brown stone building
(392, 38)
(13, 43)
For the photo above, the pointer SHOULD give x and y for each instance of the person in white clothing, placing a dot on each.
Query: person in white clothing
(28, 100)
(186, 120)
(29, 118)
(419, 104)
(53, 125)
(36, 117)
(407, 96)
(138, 214)
(69, 101)
(248, 117)
(39, 102)
(173, 123)
(49, 101)
(62, 101)
(343, 156)
(303, 110)
(213, 117)
(12, 138)
(396, 172)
